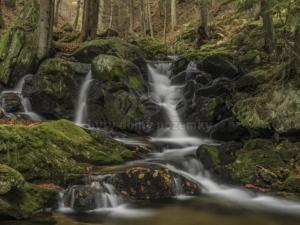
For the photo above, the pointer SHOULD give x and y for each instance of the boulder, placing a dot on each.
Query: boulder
(11, 102)
(10, 179)
(180, 65)
(219, 66)
(179, 79)
(18, 52)
(107, 68)
(154, 48)
(55, 151)
(228, 130)
(152, 183)
(112, 46)
(53, 91)
(220, 86)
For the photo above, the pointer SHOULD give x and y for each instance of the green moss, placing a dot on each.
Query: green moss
(51, 151)
(153, 47)
(9, 179)
(209, 155)
(255, 153)
(292, 183)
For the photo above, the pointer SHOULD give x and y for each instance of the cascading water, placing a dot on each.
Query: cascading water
(18, 90)
(81, 112)
(175, 159)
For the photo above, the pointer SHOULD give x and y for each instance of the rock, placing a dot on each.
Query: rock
(153, 182)
(189, 89)
(67, 27)
(109, 33)
(11, 102)
(220, 86)
(9, 179)
(53, 91)
(113, 46)
(219, 66)
(20, 200)
(247, 82)
(228, 130)
(179, 79)
(269, 110)
(18, 46)
(209, 155)
(179, 65)
(55, 151)
(108, 68)
(154, 48)
(203, 78)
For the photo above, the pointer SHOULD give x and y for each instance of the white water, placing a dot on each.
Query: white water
(24, 101)
(81, 112)
(168, 96)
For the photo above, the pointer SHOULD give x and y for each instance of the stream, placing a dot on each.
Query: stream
(218, 204)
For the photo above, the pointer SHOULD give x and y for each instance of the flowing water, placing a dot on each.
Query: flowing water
(81, 112)
(18, 90)
(218, 204)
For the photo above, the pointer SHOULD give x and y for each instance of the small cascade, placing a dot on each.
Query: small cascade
(81, 112)
(18, 90)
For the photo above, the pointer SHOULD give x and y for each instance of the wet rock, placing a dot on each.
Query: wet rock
(179, 79)
(153, 182)
(154, 48)
(247, 83)
(219, 66)
(179, 65)
(11, 102)
(220, 86)
(9, 179)
(227, 130)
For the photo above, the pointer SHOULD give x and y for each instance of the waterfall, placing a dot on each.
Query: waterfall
(24, 100)
(81, 112)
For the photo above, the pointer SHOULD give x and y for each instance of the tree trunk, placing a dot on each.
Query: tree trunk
(90, 20)
(165, 21)
(203, 31)
(1, 17)
(270, 39)
(173, 14)
(257, 10)
(77, 14)
(142, 17)
(46, 20)
(150, 18)
(131, 16)
(101, 18)
(10, 3)
(111, 14)
(58, 3)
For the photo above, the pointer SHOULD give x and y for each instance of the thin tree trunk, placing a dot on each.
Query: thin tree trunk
(204, 16)
(173, 14)
(257, 10)
(165, 21)
(150, 18)
(90, 20)
(77, 14)
(10, 3)
(111, 14)
(2, 24)
(142, 19)
(46, 20)
(270, 39)
(131, 16)
(297, 45)
(58, 3)
(101, 19)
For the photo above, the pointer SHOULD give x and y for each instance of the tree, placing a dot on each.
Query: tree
(77, 14)
(131, 15)
(58, 3)
(90, 20)
(150, 18)
(1, 17)
(142, 17)
(46, 20)
(101, 12)
(202, 31)
(297, 39)
(269, 33)
(173, 14)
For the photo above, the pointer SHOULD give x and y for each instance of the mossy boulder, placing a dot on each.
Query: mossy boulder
(9, 179)
(109, 68)
(111, 46)
(154, 48)
(54, 89)
(256, 152)
(209, 155)
(18, 52)
(55, 151)
(276, 108)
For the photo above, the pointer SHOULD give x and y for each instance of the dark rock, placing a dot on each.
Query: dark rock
(179, 79)
(67, 27)
(11, 102)
(153, 182)
(189, 89)
(228, 130)
(217, 87)
(219, 66)
(179, 65)
(247, 83)
(203, 78)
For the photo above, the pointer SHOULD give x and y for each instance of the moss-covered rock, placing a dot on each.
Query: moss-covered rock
(109, 68)
(111, 46)
(209, 155)
(154, 48)
(54, 89)
(9, 179)
(18, 55)
(276, 108)
(53, 151)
